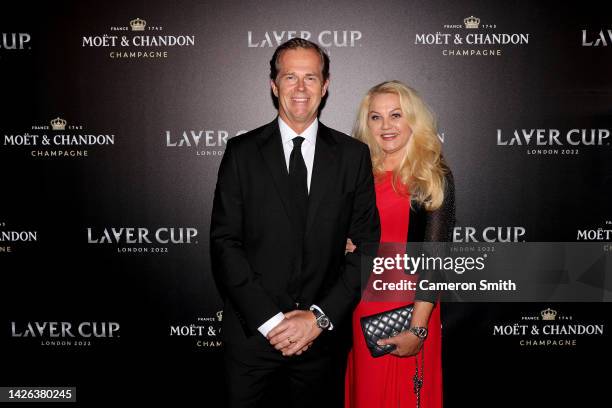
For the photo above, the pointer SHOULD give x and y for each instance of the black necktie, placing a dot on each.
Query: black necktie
(298, 177)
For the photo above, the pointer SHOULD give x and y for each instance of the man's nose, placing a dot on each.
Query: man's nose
(301, 83)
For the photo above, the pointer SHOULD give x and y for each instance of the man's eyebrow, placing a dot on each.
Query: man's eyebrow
(293, 73)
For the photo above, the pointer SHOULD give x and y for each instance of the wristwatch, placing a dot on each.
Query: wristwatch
(322, 320)
(420, 332)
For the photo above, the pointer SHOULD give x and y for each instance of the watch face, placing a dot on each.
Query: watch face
(420, 332)
(323, 322)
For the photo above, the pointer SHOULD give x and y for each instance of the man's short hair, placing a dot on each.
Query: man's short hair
(292, 44)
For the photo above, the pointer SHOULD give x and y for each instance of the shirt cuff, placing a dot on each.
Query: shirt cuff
(271, 323)
(331, 325)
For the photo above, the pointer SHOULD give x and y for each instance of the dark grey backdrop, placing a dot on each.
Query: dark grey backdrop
(220, 85)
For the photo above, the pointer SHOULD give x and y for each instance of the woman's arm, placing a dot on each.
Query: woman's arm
(406, 343)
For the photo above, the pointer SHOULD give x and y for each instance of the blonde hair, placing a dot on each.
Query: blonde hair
(422, 168)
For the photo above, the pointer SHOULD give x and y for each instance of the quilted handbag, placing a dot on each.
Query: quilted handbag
(384, 325)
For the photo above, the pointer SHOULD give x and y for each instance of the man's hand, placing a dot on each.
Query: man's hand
(295, 334)
(350, 247)
(406, 344)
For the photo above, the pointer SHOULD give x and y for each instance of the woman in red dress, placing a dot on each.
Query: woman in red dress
(415, 200)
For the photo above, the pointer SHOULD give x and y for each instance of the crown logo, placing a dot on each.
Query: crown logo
(471, 22)
(220, 315)
(138, 24)
(58, 124)
(548, 314)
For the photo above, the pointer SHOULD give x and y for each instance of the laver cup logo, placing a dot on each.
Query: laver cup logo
(325, 38)
(141, 239)
(14, 42)
(553, 141)
(65, 333)
(601, 38)
(201, 142)
(489, 234)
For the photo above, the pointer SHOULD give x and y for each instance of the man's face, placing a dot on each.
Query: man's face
(299, 87)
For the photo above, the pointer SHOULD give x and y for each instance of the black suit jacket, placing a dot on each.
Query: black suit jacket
(260, 265)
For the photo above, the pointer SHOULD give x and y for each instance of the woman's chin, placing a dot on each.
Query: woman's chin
(389, 150)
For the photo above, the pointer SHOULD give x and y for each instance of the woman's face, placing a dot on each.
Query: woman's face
(387, 123)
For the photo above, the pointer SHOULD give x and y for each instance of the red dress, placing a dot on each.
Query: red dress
(387, 381)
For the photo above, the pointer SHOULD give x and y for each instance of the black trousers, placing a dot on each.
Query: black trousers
(262, 377)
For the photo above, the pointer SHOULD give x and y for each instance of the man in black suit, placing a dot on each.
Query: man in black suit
(288, 195)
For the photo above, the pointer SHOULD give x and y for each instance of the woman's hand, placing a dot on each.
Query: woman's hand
(406, 344)
(350, 247)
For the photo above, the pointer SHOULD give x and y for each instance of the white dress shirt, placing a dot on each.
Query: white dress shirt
(308, 146)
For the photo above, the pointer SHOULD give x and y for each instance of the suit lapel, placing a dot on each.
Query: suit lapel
(271, 148)
(323, 173)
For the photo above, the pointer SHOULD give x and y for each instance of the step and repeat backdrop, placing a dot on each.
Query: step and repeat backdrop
(115, 116)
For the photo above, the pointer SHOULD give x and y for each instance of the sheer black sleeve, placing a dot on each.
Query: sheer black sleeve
(438, 227)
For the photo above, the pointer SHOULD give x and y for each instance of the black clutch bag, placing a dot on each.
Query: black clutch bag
(384, 325)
